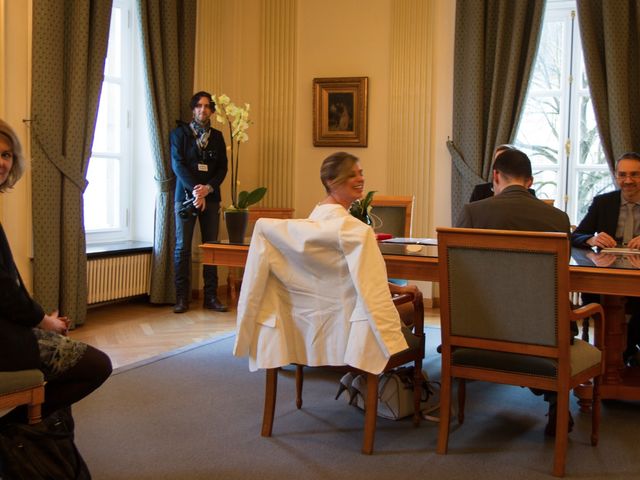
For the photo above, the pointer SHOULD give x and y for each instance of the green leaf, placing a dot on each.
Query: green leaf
(249, 198)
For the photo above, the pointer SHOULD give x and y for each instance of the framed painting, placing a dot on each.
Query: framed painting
(340, 112)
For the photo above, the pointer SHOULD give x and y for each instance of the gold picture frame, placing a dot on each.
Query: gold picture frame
(340, 111)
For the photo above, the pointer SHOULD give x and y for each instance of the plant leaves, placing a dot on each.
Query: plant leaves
(249, 198)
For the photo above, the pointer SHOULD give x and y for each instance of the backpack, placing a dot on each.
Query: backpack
(43, 451)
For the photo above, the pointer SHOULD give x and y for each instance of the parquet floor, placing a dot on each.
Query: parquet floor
(133, 331)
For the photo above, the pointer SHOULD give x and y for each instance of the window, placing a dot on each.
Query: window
(113, 209)
(558, 128)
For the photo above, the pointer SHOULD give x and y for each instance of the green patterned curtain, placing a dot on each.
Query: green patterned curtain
(69, 48)
(495, 45)
(610, 32)
(168, 38)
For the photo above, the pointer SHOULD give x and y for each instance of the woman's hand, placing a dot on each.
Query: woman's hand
(53, 323)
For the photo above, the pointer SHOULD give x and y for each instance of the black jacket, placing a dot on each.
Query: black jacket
(19, 313)
(186, 156)
(602, 216)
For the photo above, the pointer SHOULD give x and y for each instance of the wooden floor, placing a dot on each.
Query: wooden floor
(134, 331)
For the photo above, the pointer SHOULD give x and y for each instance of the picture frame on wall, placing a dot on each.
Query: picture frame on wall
(340, 111)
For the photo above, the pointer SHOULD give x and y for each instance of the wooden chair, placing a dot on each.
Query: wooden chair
(514, 329)
(23, 387)
(234, 276)
(395, 214)
(415, 354)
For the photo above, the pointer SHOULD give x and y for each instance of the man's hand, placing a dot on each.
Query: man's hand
(634, 243)
(602, 240)
(53, 323)
(200, 203)
(201, 191)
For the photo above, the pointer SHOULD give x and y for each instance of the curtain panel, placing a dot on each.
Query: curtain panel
(495, 45)
(168, 45)
(69, 48)
(610, 32)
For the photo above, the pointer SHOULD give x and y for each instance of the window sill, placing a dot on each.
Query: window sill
(99, 250)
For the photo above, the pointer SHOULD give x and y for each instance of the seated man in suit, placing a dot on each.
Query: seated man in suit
(512, 207)
(614, 219)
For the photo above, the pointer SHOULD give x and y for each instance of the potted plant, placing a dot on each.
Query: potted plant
(361, 209)
(237, 214)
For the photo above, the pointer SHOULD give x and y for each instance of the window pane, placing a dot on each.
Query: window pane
(547, 72)
(545, 183)
(113, 62)
(539, 130)
(102, 196)
(590, 148)
(108, 125)
(590, 184)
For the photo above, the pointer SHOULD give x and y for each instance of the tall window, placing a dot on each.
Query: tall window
(106, 199)
(558, 128)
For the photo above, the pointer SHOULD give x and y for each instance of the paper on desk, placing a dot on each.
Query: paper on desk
(621, 250)
(410, 240)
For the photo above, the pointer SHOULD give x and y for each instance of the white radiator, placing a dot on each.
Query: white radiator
(118, 277)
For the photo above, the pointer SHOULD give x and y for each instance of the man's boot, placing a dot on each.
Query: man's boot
(182, 304)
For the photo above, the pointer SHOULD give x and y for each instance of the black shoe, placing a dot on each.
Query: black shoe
(550, 429)
(212, 303)
(181, 306)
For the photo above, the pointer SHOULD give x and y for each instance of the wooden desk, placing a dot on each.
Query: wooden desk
(619, 382)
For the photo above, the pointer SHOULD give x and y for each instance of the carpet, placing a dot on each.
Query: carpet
(197, 414)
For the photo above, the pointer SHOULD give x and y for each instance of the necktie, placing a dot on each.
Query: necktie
(627, 234)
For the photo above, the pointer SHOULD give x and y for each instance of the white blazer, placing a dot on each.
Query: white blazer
(316, 293)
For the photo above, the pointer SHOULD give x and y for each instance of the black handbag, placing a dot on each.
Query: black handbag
(42, 451)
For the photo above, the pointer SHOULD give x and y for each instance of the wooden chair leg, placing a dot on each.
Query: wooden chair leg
(595, 412)
(417, 392)
(445, 413)
(34, 410)
(271, 388)
(562, 433)
(462, 396)
(370, 413)
(299, 383)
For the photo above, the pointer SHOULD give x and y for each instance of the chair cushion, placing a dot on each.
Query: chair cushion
(19, 380)
(583, 356)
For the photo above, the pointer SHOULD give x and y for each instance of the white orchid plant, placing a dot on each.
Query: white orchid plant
(237, 118)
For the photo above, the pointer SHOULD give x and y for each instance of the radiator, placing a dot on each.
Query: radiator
(118, 277)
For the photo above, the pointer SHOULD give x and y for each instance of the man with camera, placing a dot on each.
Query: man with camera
(199, 160)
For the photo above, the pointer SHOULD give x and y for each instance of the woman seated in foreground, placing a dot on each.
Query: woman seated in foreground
(343, 179)
(31, 338)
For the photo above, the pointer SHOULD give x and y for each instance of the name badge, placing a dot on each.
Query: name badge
(203, 167)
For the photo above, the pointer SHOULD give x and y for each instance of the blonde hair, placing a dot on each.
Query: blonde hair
(336, 168)
(17, 168)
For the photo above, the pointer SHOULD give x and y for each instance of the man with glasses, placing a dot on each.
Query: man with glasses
(613, 219)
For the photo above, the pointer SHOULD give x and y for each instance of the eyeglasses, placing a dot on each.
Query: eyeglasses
(631, 175)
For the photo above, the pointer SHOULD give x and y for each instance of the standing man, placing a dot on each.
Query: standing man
(199, 160)
(512, 207)
(613, 219)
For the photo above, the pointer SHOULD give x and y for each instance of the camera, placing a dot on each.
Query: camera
(188, 209)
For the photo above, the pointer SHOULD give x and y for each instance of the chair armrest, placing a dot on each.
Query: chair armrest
(418, 309)
(595, 311)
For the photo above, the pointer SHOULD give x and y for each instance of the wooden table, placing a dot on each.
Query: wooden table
(619, 382)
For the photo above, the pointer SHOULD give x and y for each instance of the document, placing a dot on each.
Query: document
(410, 240)
(621, 250)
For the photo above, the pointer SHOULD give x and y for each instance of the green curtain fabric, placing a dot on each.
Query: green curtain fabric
(168, 40)
(495, 45)
(69, 48)
(610, 32)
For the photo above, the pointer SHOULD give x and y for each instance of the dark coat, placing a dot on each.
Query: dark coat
(19, 313)
(602, 216)
(185, 157)
(485, 190)
(514, 209)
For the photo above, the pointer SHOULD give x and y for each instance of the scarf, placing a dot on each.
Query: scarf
(201, 133)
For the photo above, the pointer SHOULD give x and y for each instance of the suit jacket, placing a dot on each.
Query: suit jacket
(485, 190)
(316, 293)
(514, 209)
(19, 313)
(186, 156)
(602, 216)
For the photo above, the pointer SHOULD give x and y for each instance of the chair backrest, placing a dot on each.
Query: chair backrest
(395, 214)
(266, 212)
(505, 291)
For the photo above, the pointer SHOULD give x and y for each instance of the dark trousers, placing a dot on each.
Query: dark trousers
(209, 222)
